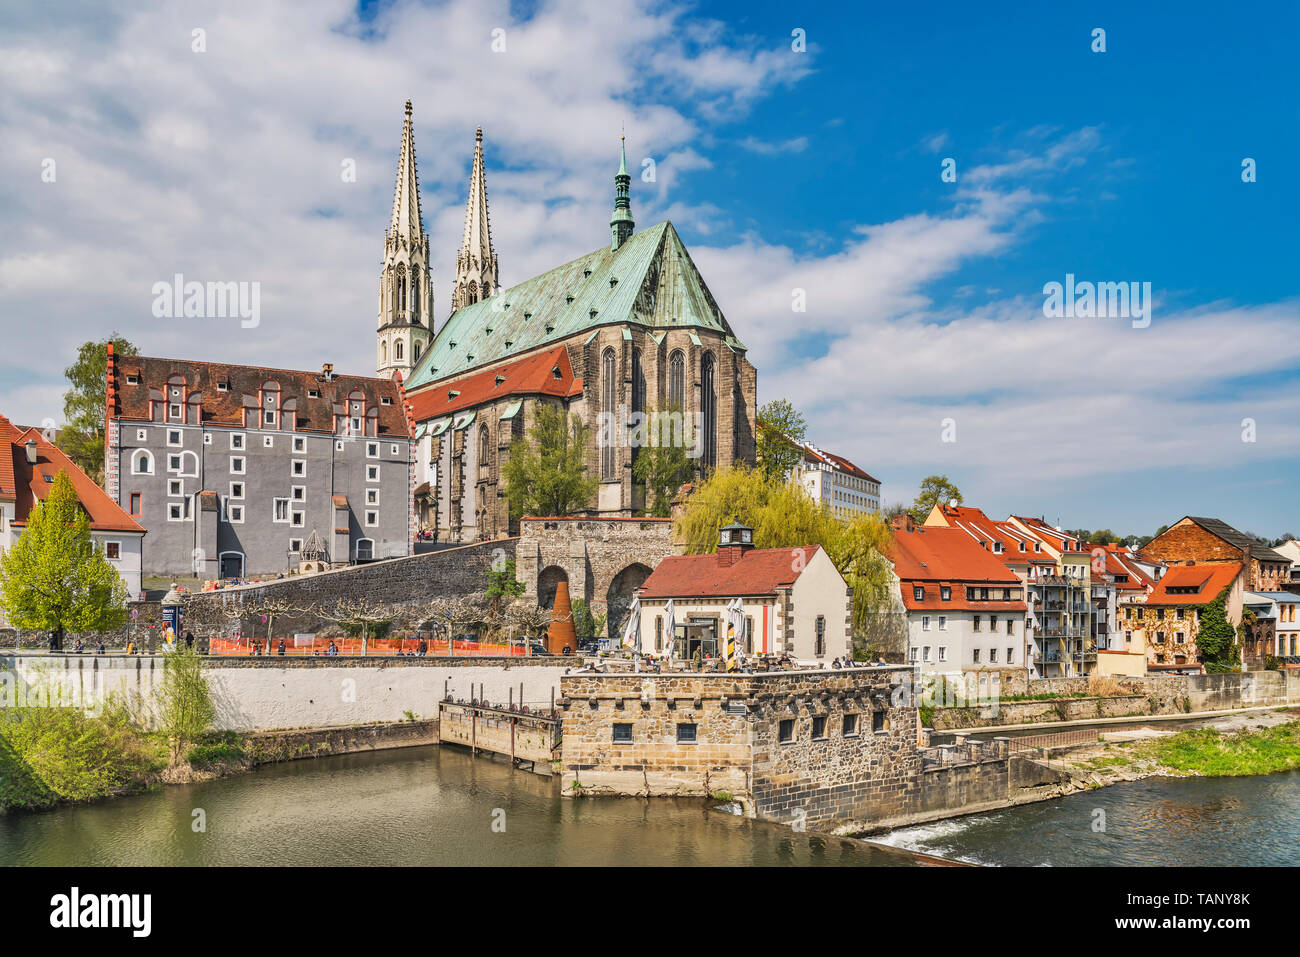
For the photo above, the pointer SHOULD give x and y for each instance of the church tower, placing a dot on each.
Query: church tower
(405, 293)
(621, 224)
(476, 262)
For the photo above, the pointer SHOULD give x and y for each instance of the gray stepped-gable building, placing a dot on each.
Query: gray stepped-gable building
(231, 468)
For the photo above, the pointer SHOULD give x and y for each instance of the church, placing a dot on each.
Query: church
(628, 327)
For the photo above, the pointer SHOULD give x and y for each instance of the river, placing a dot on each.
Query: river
(438, 806)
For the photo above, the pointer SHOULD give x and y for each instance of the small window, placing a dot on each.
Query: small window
(174, 463)
(207, 438)
(174, 437)
(236, 489)
(372, 450)
(268, 441)
(1011, 656)
(142, 435)
(299, 443)
(338, 446)
(372, 496)
(236, 513)
(785, 732)
(280, 510)
(299, 467)
(133, 380)
(818, 727)
(385, 401)
(976, 653)
(313, 393)
(175, 487)
(372, 519)
(396, 449)
(136, 502)
(850, 725)
(295, 544)
(113, 550)
(686, 733)
(223, 387)
(299, 519)
(877, 721)
(236, 440)
(372, 473)
(945, 592)
(236, 465)
(299, 493)
(918, 592)
(622, 734)
(175, 513)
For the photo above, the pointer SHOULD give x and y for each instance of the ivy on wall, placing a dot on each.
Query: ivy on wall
(1216, 638)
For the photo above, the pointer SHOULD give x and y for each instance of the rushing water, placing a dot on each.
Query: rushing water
(438, 806)
(1156, 822)
(404, 807)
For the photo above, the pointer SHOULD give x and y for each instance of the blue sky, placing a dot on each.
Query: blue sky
(817, 171)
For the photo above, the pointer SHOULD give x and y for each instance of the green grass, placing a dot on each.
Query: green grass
(1207, 752)
(218, 749)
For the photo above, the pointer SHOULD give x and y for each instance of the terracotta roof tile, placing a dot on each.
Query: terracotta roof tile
(759, 571)
(542, 373)
(1207, 580)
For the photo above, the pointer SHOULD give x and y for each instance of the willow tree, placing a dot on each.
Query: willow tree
(55, 577)
(783, 516)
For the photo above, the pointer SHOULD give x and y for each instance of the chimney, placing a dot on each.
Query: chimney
(327, 372)
(31, 451)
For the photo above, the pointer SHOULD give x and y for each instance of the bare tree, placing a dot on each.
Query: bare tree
(273, 606)
(364, 613)
(527, 617)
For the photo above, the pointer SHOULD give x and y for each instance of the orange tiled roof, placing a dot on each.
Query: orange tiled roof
(542, 373)
(759, 571)
(32, 483)
(1207, 580)
(8, 487)
(932, 556)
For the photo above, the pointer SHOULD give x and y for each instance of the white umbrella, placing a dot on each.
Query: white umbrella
(632, 629)
(740, 630)
(672, 628)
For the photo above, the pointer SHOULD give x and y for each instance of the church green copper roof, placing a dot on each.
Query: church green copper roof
(650, 281)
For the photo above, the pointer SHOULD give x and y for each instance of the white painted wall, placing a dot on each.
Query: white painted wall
(268, 696)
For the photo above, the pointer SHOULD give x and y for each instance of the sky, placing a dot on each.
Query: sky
(800, 151)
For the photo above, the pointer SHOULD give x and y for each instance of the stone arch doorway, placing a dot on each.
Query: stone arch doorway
(547, 582)
(619, 596)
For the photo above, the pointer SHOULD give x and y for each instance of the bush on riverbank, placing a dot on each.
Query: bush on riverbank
(1207, 752)
(53, 755)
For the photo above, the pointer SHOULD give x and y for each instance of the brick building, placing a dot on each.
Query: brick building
(1211, 540)
(231, 468)
(1168, 622)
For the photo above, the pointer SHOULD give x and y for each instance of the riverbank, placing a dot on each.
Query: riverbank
(1238, 745)
(56, 757)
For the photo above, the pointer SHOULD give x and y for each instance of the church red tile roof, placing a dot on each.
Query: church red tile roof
(243, 386)
(759, 571)
(26, 484)
(542, 373)
(1207, 580)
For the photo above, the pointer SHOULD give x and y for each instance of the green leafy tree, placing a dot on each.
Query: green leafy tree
(82, 436)
(663, 465)
(185, 706)
(1216, 639)
(55, 578)
(547, 474)
(781, 428)
(935, 489)
(586, 624)
(502, 584)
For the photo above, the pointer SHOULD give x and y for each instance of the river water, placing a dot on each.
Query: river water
(439, 806)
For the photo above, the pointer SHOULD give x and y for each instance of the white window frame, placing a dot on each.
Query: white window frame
(299, 443)
(372, 497)
(372, 469)
(943, 622)
(943, 653)
(298, 468)
(275, 505)
(173, 506)
(925, 622)
(372, 450)
(238, 442)
(298, 493)
(298, 518)
(113, 541)
(295, 545)
(180, 439)
(243, 465)
(175, 488)
(372, 518)
(138, 456)
(231, 508)
(268, 441)
(242, 490)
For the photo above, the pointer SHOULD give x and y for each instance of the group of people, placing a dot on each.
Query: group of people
(421, 650)
(132, 647)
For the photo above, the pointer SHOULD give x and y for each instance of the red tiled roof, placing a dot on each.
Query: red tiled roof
(981, 528)
(8, 488)
(32, 483)
(934, 556)
(759, 571)
(1119, 564)
(835, 461)
(1208, 580)
(535, 374)
(226, 407)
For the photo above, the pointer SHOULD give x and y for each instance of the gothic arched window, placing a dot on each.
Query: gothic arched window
(609, 398)
(487, 290)
(401, 292)
(383, 353)
(415, 296)
(484, 450)
(397, 351)
(415, 352)
(638, 390)
(471, 293)
(709, 411)
(677, 380)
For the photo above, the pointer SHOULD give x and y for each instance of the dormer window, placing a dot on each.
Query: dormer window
(613, 281)
(487, 331)
(568, 299)
(452, 393)
(385, 401)
(500, 379)
(550, 327)
(556, 374)
(592, 313)
(133, 380)
(586, 273)
(313, 393)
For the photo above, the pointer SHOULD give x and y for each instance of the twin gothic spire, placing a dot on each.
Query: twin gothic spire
(406, 294)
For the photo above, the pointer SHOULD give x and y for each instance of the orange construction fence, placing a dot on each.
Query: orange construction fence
(352, 646)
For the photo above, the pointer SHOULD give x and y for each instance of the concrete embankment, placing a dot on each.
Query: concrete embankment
(264, 694)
